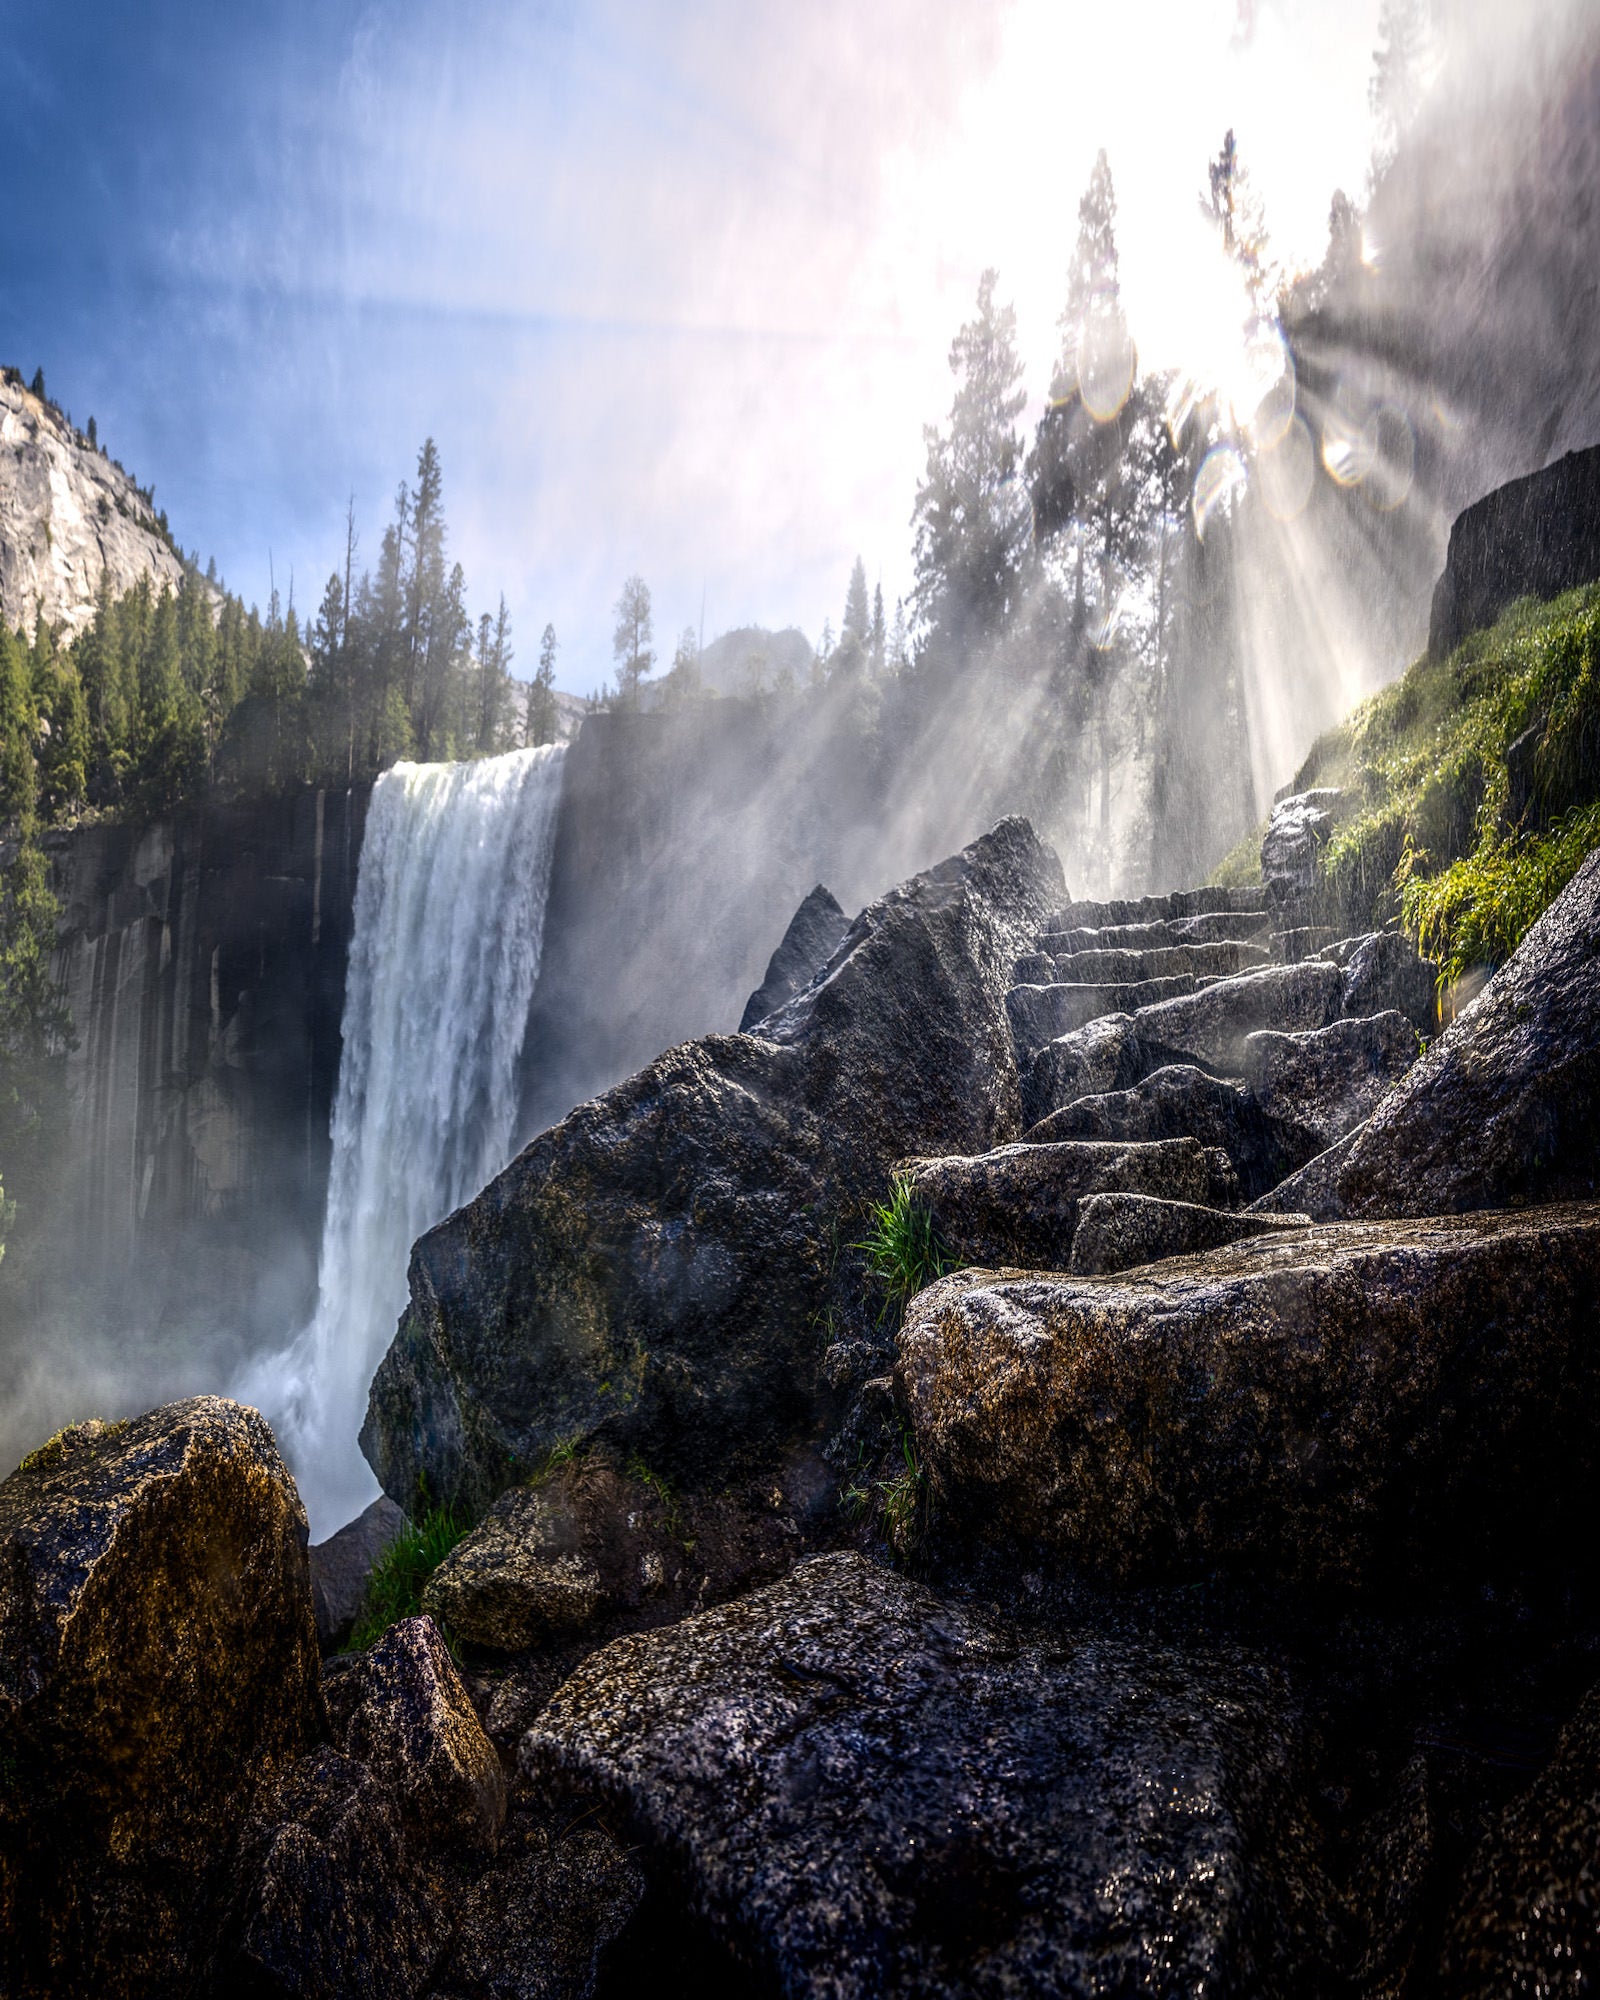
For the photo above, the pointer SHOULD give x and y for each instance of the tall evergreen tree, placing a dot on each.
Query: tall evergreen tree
(876, 645)
(630, 639)
(970, 517)
(542, 713)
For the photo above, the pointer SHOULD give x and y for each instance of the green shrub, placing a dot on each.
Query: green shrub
(904, 1249)
(399, 1576)
(1479, 909)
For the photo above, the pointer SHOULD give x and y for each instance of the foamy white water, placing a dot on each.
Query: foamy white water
(449, 927)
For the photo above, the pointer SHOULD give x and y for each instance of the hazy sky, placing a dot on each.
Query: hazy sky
(672, 285)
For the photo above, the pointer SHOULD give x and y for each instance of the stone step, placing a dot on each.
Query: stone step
(1018, 1206)
(1113, 967)
(1308, 941)
(1211, 1026)
(1221, 927)
(1156, 909)
(1122, 1232)
(1039, 1013)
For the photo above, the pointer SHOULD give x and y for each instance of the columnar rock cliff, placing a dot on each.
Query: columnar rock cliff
(70, 518)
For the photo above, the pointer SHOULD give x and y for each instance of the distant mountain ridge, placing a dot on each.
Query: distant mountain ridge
(69, 518)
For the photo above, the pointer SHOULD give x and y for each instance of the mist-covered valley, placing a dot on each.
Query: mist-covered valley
(888, 1291)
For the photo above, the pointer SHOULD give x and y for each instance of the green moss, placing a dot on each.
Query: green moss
(1440, 836)
(399, 1576)
(92, 1430)
(1240, 867)
(904, 1250)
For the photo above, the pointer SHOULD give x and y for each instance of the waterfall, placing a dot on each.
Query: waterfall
(449, 926)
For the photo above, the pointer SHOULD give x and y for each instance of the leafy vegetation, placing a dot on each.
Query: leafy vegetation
(903, 1247)
(400, 1575)
(1477, 780)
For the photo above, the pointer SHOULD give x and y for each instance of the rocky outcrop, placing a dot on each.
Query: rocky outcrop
(1382, 973)
(1534, 537)
(866, 1791)
(539, 1926)
(814, 933)
(158, 1666)
(1300, 827)
(519, 1578)
(202, 960)
(1103, 1056)
(1505, 1105)
(653, 1265)
(1323, 1083)
(1178, 1101)
(1355, 1405)
(71, 520)
(1019, 1206)
(1117, 1232)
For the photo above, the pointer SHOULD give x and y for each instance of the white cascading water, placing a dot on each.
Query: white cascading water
(449, 927)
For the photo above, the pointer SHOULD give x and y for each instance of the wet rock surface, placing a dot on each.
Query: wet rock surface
(341, 1565)
(593, 1283)
(1382, 973)
(158, 1664)
(1505, 1105)
(1527, 1916)
(1324, 1083)
(1351, 1405)
(1116, 1232)
(330, 1900)
(1211, 1026)
(1103, 1056)
(1020, 1205)
(401, 1710)
(815, 932)
(866, 1790)
(1296, 832)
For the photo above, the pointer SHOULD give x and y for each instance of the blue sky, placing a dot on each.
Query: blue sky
(672, 285)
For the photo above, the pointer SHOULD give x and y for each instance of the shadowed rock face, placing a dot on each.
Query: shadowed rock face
(870, 1792)
(814, 933)
(1527, 1917)
(158, 1663)
(656, 1263)
(1358, 1404)
(1117, 1232)
(1020, 1205)
(1505, 1106)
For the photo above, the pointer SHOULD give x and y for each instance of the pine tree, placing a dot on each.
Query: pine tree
(683, 682)
(857, 617)
(542, 713)
(630, 640)
(899, 656)
(36, 386)
(971, 522)
(876, 646)
(1400, 67)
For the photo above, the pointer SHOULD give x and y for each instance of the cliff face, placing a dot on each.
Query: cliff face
(68, 519)
(1535, 537)
(203, 959)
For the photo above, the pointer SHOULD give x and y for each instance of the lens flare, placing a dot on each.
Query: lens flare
(1106, 362)
(1264, 393)
(1348, 443)
(1389, 479)
(1106, 594)
(1221, 474)
(1286, 473)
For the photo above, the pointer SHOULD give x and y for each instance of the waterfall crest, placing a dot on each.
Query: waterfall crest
(449, 928)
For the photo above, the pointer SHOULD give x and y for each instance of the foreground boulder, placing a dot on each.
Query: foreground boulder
(657, 1262)
(1019, 1205)
(158, 1666)
(1358, 1404)
(866, 1791)
(1505, 1106)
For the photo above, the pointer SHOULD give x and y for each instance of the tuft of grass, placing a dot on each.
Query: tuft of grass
(897, 1500)
(1479, 909)
(666, 1498)
(903, 1248)
(399, 1576)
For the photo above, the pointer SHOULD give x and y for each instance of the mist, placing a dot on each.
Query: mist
(676, 300)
